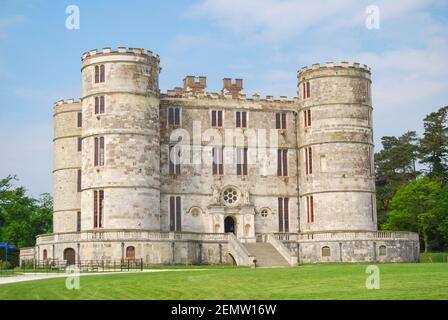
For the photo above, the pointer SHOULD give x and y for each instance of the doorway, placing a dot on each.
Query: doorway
(229, 225)
(70, 256)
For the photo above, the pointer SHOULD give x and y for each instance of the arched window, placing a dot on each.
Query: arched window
(130, 253)
(45, 254)
(382, 251)
(326, 251)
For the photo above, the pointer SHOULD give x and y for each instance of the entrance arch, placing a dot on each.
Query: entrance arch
(229, 225)
(70, 256)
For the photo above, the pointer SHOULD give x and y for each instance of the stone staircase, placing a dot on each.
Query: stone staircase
(266, 255)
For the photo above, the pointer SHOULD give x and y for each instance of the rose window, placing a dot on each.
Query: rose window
(230, 196)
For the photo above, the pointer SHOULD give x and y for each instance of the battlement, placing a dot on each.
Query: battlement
(195, 88)
(119, 50)
(68, 101)
(179, 93)
(329, 65)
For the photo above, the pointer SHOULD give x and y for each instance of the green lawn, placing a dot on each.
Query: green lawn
(329, 281)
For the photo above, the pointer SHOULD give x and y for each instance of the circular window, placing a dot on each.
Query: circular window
(230, 196)
(264, 212)
(195, 211)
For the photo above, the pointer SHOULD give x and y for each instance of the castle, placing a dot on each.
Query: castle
(189, 176)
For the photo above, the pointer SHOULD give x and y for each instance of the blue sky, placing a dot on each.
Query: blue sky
(262, 41)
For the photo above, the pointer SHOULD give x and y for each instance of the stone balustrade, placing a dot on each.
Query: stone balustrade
(129, 235)
(358, 235)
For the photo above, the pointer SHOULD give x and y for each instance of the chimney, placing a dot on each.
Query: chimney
(195, 85)
(233, 88)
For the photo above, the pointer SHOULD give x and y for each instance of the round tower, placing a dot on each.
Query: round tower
(120, 140)
(337, 185)
(66, 165)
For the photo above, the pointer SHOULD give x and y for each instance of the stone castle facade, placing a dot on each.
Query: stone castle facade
(190, 176)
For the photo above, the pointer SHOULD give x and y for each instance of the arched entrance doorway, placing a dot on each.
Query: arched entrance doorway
(229, 225)
(130, 253)
(70, 256)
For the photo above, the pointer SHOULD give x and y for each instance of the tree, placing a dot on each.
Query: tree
(394, 166)
(22, 217)
(434, 144)
(413, 208)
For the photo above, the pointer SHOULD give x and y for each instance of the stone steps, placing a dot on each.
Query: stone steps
(266, 255)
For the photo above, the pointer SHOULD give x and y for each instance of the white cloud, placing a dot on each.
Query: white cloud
(277, 20)
(7, 23)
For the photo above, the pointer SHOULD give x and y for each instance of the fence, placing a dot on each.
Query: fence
(60, 266)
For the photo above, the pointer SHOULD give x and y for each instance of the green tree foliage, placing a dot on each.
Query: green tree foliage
(411, 200)
(413, 208)
(395, 165)
(21, 216)
(434, 144)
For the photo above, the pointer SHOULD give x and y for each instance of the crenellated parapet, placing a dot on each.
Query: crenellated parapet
(119, 51)
(67, 105)
(176, 93)
(333, 65)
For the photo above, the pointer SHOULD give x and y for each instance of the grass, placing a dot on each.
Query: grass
(434, 257)
(325, 281)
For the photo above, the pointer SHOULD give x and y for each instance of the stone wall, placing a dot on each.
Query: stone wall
(130, 176)
(340, 138)
(66, 163)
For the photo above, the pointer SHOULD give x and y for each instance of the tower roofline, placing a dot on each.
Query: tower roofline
(330, 64)
(119, 50)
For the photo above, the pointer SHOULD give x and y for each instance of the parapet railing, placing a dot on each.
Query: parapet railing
(358, 235)
(239, 252)
(281, 248)
(129, 235)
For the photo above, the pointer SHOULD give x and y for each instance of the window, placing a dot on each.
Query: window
(100, 73)
(310, 209)
(306, 90)
(282, 162)
(308, 161)
(367, 91)
(174, 116)
(307, 118)
(175, 214)
(79, 120)
(45, 254)
(100, 105)
(78, 221)
(241, 119)
(218, 161)
(231, 196)
(280, 120)
(283, 214)
(174, 163)
(216, 120)
(79, 144)
(382, 251)
(99, 151)
(326, 251)
(264, 212)
(373, 206)
(241, 161)
(130, 253)
(98, 205)
(79, 181)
